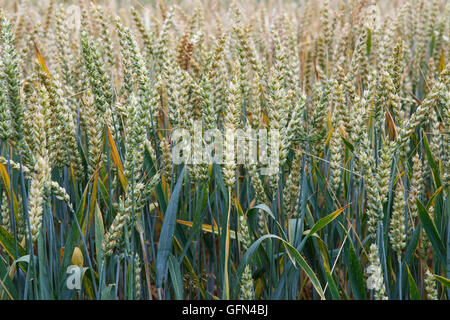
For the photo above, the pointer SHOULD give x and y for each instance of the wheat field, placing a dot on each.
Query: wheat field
(201, 150)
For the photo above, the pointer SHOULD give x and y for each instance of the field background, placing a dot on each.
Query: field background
(91, 91)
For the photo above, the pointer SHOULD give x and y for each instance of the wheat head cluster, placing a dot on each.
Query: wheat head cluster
(357, 92)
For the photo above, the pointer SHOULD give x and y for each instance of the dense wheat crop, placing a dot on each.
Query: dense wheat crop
(224, 150)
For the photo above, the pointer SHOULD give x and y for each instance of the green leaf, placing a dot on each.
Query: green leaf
(369, 41)
(412, 245)
(412, 286)
(432, 162)
(293, 254)
(266, 209)
(7, 287)
(175, 274)
(348, 144)
(322, 223)
(45, 285)
(444, 281)
(167, 230)
(433, 197)
(431, 231)
(99, 233)
(355, 274)
(294, 229)
(326, 220)
(7, 242)
(326, 267)
(108, 292)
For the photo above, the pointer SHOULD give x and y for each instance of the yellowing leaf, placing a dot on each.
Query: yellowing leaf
(207, 228)
(327, 140)
(5, 178)
(92, 205)
(116, 158)
(41, 60)
(442, 62)
(390, 124)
